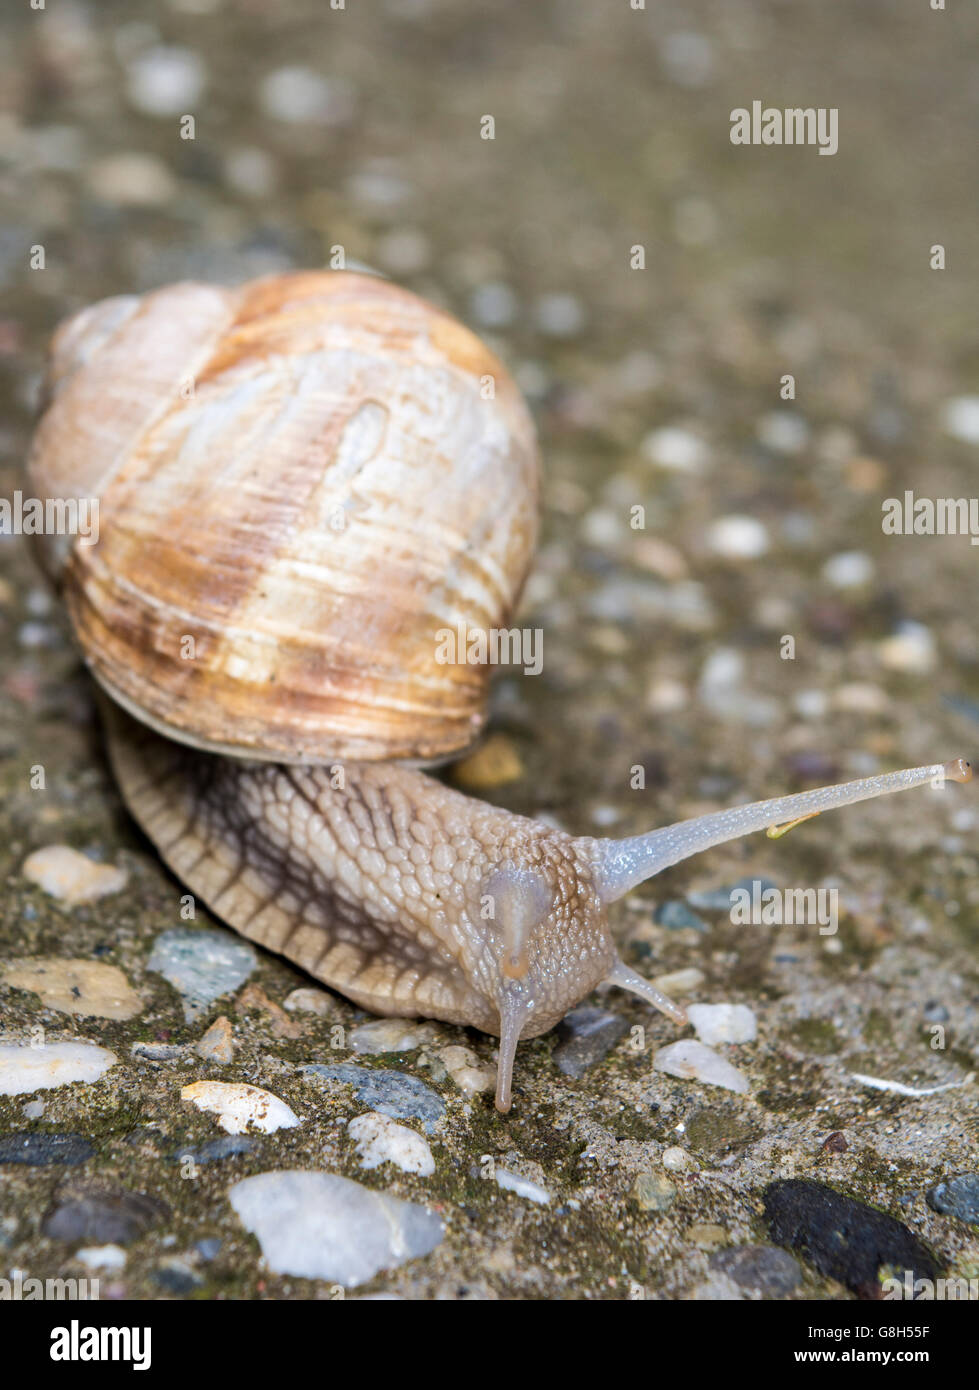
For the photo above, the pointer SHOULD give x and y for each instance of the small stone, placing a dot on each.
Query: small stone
(722, 899)
(209, 1247)
(71, 877)
(835, 1143)
(393, 1093)
(165, 81)
(960, 419)
(251, 172)
(850, 569)
(131, 180)
(217, 1044)
(692, 1061)
(389, 1035)
(33, 1110)
(859, 697)
(843, 1238)
(39, 1150)
(653, 1192)
(911, 649)
(254, 997)
(87, 988)
(301, 96)
(763, 1269)
(677, 1160)
(523, 1187)
(24, 1069)
(320, 1226)
(560, 315)
(737, 538)
(103, 1216)
(706, 1236)
(215, 1150)
(379, 1139)
(957, 1197)
(310, 1001)
(494, 305)
(723, 1023)
(162, 1052)
(676, 449)
(935, 1012)
(586, 1035)
(666, 696)
(239, 1106)
(176, 1276)
(679, 981)
(201, 964)
(676, 916)
(494, 764)
(111, 1257)
(783, 432)
(466, 1070)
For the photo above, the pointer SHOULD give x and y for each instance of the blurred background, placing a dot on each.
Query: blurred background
(359, 128)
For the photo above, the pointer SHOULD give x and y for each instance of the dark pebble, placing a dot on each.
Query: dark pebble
(935, 1012)
(107, 1216)
(957, 1197)
(175, 1278)
(835, 1143)
(676, 915)
(226, 1146)
(37, 1150)
(393, 1093)
(844, 1238)
(760, 1268)
(586, 1036)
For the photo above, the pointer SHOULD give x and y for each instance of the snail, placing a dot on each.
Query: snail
(301, 481)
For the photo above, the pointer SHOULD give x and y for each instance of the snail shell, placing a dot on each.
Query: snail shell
(300, 482)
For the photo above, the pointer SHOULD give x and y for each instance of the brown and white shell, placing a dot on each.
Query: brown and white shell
(301, 481)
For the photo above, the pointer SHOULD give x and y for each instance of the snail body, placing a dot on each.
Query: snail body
(406, 896)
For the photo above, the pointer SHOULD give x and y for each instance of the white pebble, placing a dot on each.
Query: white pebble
(72, 877)
(102, 1257)
(560, 315)
(910, 649)
(783, 432)
(810, 704)
(523, 1187)
(379, 1139)
(131, 180)
(251, 172)
(960, 418)
(390, 1035)
(310, 1001)
(165, 81)
(850, 569)
(675, 448)
(24, 1068)
(723, 1023)
(677, 1160)
(238, 1105)
(692, 1061)
(466, 1071)
(737, 538)
(679, 981)
(300, 96)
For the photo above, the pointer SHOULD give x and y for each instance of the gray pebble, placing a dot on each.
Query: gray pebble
(586, 1036)
(393, 1093)
(760, 1268)
(201, 964)
(957, 1197)
(38, 1150)
(676, 915)
(107, 1216)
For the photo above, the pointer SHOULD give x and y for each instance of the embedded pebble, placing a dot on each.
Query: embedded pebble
(721, 899)
(737, 538)
(215, 1150)
(379, 1139)
(692, 1061)
(162, 1052)
(38, 1150)
(559, 315)
(393, 1093)
(165, 81)
(83, 987)
(586, 1035)
(523, 1187)
(763, 1269)
(843, 1238)
(677, 1160)
(466, 1070)
(653, 1192)
(389, 1035)
(320, 1226)
(217, 1044)
(71, 877)
(850, 569)
(201, 964)
(706, 1235)
(783, 432)
(24, 1068)
(111, 1257)
(676, 449)
(102, 1216)
(238, 1106)
(960, 418)
(310, 1001)
(679, 981)
(675, 915)
(302, 96)
(176, 1276)
(911, 649)
(131, 180)
(494, 304)
(723, 1023)
(957, 1197)
(494, 763)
